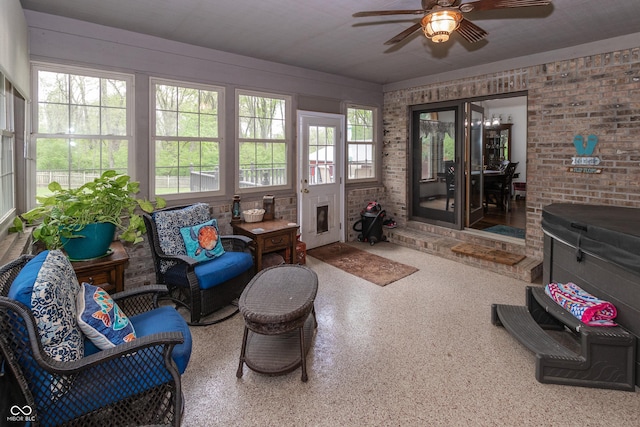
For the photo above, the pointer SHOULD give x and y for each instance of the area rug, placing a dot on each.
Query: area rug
(363, 264)
(486, 253)
(505, 230)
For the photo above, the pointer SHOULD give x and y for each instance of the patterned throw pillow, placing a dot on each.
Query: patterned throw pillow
(202, 241)
(53, 304)
(168, 224)
(100, 318)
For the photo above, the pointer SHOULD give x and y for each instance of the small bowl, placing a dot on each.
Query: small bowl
(253, 215)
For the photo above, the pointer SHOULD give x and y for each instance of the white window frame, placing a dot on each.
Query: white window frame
(288, 130)
(8, 144)
(88, 72)
(153, 81)
(374, 143)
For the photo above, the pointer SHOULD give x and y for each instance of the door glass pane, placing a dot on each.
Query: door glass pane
(476, 162)
(321, 155)
(434, 185)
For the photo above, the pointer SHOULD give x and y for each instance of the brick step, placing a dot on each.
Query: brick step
(416, 237)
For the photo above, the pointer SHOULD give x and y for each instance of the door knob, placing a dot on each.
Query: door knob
(304, 190)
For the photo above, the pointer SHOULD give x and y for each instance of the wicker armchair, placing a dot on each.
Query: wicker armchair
(134, 383)
(203, 287)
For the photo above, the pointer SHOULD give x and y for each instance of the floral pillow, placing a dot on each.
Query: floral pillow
(53, 304)
(168, 224)
(202, 241)
(100, 318)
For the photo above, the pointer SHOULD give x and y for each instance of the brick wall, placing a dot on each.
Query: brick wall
(598, 94)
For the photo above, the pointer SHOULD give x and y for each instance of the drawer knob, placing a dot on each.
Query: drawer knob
(274, 241)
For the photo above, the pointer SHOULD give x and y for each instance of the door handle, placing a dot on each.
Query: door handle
(304, 190)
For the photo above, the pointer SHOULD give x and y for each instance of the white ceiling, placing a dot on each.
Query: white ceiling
(322, 34)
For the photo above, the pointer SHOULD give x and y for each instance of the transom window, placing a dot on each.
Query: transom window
(360, 143)
(187, 137)
(82, 124)
(263, 139)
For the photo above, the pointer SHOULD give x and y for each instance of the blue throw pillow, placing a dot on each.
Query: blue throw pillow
(202, 241)
(100, 318)
(22, 286)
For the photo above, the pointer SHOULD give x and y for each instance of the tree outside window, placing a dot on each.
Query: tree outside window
(263, 139)
(82, 126)
(187, 138)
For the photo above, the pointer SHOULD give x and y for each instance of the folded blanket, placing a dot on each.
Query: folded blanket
(590, 310)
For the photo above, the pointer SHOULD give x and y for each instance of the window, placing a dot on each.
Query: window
(82, 124)
(360, 143)
(7, 143)
(263, 139)
(187, 137)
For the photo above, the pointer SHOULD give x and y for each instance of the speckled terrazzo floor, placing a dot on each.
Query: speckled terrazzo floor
(419, 352)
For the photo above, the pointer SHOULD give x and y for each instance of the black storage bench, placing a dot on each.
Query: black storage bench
(597, 248)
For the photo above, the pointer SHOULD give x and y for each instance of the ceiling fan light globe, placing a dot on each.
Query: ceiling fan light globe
(440, 37)
(439, 25)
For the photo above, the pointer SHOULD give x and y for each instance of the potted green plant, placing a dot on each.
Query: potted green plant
(72, 218)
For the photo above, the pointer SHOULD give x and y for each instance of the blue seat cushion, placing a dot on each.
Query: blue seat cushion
(22, 285)
(162, 319)
(166, 319)
(214, 272)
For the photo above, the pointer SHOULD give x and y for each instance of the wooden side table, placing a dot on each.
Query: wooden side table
(106, 272)
(269, 236)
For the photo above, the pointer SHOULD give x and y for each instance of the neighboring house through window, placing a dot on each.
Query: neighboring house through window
(82, 124)
(361, 142)
(264, 136)
(187, 137)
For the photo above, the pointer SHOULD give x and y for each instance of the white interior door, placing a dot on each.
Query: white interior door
(320, 178)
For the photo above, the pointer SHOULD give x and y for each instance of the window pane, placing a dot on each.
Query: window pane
(84, 90)
(166, 123)
(114, 121)
(209, 125)
(188, 100)
(114, 93)
(53, 87)
(53, 118)
(73, 162)
(86, 111)
(188, 124)
(262, 164)
(85, 120)
(187, 165)
(262, 122)
(7, 181)
(360, 143)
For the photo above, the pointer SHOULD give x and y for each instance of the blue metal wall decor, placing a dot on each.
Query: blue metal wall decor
(585, 160)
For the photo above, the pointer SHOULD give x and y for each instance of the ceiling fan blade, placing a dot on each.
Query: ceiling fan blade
(470, 31)
(388, 12)
(403, 35)
(501, 4)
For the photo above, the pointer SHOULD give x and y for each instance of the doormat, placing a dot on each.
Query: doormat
(489, 254)
(363, 264)
(505, 230)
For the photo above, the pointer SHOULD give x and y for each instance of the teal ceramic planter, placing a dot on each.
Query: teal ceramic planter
(94, 244)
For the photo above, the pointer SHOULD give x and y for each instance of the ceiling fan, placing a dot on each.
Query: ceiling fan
(443, 17)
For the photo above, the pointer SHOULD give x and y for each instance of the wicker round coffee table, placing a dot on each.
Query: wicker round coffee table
(279, 317)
